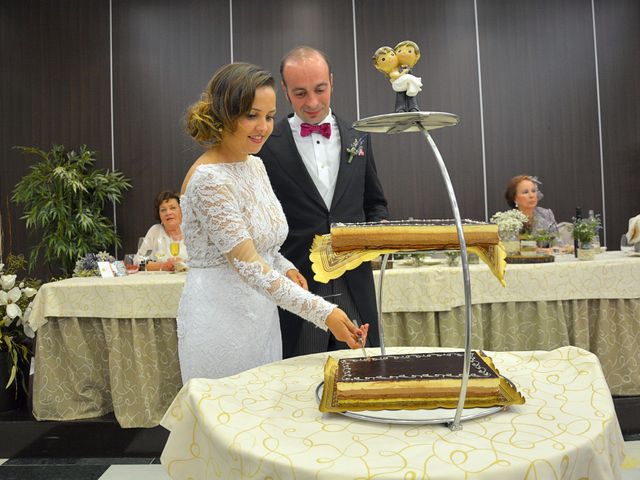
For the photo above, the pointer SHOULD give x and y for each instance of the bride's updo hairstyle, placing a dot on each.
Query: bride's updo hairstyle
(228, 96)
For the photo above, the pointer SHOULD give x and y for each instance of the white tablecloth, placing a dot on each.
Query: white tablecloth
(265, 423)
(142, 295)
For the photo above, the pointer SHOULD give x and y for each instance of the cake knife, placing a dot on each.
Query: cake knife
(364, 350)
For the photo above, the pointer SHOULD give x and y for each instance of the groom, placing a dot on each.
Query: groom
(317, 183)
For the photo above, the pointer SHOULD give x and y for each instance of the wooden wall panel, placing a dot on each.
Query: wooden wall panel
(540, 105)
(164, 55)
(618, 34)
(54, 89)
(264, 31)
(539, 92)
(445, 32)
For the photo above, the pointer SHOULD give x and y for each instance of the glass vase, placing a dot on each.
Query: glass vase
(510, 242)
(586, 251)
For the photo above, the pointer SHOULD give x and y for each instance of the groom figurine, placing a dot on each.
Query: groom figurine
(322, 171)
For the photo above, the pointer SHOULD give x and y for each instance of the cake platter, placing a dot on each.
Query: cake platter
(423, 122)
(414, 417)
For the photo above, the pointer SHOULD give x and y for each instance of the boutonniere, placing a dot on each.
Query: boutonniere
(356, 149)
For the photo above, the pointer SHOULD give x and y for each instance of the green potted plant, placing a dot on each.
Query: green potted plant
(584, 230)
(543, 238)
(64, 197)
(15, 335)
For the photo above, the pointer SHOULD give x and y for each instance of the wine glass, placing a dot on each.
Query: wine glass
(174, 248)
(161, 250)
(130, 264)
(624, 244)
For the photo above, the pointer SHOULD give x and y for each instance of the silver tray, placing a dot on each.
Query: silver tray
(413, 417)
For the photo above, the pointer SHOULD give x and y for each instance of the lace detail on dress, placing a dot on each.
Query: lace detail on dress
(281, 264)
(285, 293)
(230, 216)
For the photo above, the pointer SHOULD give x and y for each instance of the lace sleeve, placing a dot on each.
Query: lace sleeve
(227, 231)
(281, 264)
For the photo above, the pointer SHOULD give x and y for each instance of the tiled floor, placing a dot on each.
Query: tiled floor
(82, 469)
(149, 468)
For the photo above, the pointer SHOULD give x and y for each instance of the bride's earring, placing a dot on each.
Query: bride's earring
(516, 204)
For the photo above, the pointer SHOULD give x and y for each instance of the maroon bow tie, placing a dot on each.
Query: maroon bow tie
(323, 129)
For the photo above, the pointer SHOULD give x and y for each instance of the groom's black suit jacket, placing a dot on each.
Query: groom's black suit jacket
(358, 197)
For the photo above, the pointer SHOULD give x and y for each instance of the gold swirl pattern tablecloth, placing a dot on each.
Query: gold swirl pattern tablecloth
(265, 423)
(88, 367)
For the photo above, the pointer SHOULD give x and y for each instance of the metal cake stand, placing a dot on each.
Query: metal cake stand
(423, 122)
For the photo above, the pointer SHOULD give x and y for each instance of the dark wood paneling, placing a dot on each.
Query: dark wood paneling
(538, 70)
(540, 105)
(164, 54)
(618, 34)
(264, 31)
(445, 32)
(54, 89)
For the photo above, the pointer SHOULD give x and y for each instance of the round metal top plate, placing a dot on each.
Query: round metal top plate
(406, 122)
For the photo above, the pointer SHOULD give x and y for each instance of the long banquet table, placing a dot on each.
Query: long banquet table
(265, 423)
(594, 305)
(109, 344)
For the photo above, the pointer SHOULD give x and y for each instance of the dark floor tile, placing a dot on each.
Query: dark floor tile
(90, 438)
(52, 472)
(81, 461)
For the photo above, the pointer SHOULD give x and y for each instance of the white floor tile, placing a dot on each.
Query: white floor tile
(139, 472)
(2, 460)
(631, 463)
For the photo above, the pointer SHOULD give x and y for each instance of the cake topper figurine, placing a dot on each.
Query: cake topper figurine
(396, 64)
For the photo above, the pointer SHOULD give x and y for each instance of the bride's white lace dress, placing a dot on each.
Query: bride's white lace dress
(233, 226)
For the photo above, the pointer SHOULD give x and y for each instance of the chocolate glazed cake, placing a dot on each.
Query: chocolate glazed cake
(409, 376)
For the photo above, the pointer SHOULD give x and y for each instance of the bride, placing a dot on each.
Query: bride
(233, 227)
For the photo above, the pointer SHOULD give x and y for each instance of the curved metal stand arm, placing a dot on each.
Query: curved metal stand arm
(466, 278)
(383, 266)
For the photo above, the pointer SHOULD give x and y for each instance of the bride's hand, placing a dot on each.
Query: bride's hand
(345, 330)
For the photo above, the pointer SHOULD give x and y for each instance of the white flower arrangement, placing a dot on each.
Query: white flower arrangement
(509, 222)
(16, 299)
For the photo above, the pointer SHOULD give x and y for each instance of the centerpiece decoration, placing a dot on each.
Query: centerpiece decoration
(584, 230)
(87, 266)
(16, 297)
(510, 224)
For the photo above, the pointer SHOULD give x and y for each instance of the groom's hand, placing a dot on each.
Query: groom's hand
(296, 277)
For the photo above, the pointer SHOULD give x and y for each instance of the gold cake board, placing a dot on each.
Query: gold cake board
(328, 265)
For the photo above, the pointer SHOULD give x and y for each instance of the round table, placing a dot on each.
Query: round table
(265, 423)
